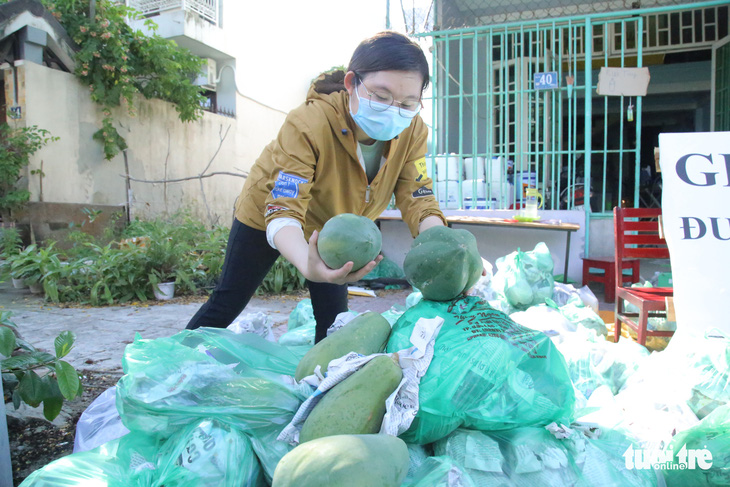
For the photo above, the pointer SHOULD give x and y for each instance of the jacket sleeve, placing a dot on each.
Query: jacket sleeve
(293, 157)
(414, 189)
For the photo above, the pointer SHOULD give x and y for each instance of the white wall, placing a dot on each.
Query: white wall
(279, 48)
(160, 147)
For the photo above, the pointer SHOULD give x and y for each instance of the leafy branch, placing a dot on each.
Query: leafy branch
(118, 62)
(36, 377)
(16, 147)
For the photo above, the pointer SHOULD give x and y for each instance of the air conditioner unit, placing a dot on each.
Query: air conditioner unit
(208, 75)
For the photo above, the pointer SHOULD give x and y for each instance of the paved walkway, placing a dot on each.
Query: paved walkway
(102, 333)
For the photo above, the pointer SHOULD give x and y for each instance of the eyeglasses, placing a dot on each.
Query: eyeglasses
(380, 101)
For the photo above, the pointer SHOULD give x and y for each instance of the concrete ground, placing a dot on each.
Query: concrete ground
(102, 333)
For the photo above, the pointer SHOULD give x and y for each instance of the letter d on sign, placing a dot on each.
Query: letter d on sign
(687, 227)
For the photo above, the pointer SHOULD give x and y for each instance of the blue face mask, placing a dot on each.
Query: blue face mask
(379, 125)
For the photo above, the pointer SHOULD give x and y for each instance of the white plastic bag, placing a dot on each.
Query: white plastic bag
(257, 323)
(413, 298)
(563, 292)
(483, 288)
(99, 423)
(341, 320)
(546, 319)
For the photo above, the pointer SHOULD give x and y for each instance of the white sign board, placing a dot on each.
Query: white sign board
(623, 81)
(696, 221)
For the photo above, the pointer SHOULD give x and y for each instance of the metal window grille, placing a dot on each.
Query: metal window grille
(421, 16)
(207, 9)
(663, 32)
(486, 105)
(721, 86)
(578, 149)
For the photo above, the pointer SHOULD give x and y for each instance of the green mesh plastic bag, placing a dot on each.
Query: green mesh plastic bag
(487, 373)
(417, 455)
(386, 269)
(440, 471)
(524, 279)
(302, 314)
(712, 435)
(300, 338)
(532, 456)
(709, 373)
(171, 385)
(581, 355)
(580, 314)
(207, 453)
(247, 352)
(241, 380)
(129, 461)
(479, 453)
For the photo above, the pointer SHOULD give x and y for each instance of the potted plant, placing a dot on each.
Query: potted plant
(24, 266)
(33, 264)
(163, 284)
(163, 260)
(18, 283)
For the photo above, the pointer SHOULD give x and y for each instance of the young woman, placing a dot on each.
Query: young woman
(355, 142)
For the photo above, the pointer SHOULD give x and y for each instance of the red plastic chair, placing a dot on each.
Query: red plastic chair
(637, 236)
(608, 277)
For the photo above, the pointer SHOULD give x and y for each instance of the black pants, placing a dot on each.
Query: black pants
(248, 259)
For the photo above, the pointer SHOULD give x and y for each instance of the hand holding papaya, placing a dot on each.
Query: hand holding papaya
(317, 270)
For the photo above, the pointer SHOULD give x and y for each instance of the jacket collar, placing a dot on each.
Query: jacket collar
(336, 108)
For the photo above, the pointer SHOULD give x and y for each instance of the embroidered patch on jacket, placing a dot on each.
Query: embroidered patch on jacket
(271, 209)
(421, 168)
(287, 186)
(422, 192)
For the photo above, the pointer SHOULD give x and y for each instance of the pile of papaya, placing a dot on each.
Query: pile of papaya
(340, 442)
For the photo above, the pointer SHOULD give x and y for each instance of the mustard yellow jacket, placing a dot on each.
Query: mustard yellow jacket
(311, 171)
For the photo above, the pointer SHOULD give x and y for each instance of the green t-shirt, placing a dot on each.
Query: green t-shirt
(372, 156)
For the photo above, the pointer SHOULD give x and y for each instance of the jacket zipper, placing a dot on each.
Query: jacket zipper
(362, 166)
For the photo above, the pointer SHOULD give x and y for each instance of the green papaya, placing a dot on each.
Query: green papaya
(366, 334)
(357, 404)
(443, 263)
(353, 460)
(349, 237)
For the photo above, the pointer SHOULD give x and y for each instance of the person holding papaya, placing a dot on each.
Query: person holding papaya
(356, 141)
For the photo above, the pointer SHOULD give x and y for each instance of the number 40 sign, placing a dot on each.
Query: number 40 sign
(546, 81)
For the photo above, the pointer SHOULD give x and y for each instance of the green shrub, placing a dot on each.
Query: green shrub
(107, 275)
(145, 254)
(10, 241)
(283, 277)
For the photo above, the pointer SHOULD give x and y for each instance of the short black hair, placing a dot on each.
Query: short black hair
(389, 51)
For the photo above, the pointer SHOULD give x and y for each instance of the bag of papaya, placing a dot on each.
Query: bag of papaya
(488, 373)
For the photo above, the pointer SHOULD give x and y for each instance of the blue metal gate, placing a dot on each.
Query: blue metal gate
(515, 106)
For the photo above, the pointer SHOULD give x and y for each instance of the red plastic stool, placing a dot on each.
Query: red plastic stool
(608, 277)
